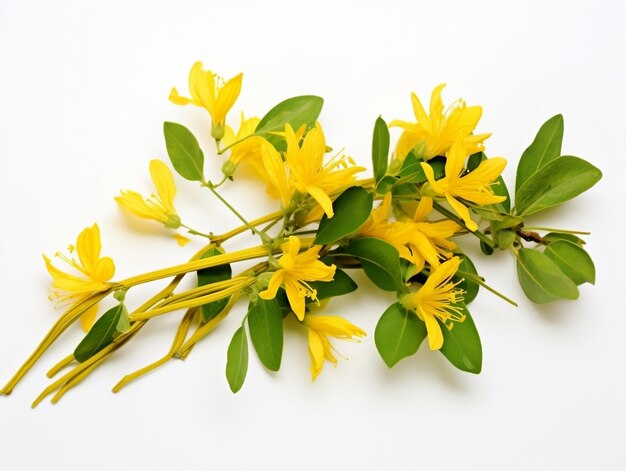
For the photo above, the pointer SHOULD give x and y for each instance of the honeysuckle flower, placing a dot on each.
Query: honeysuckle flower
(159, 207)
(93, 273)
(274, 173)
(437, 301)
(209, 91)
(320, 348)
(247, 150)
(433, 134)
(309, 174)
(474, 186)
(296, 269)
(417, 240)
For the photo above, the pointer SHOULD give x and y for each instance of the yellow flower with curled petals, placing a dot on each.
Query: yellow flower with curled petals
(209, 91)
(296, 269)
(474, 186)
(437, 301)
(93, 273)
(433, 134)
(309, 174)
(159, 207)
(248, 149)
(320, 348)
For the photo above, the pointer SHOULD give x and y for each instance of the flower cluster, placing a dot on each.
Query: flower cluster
(401, 227)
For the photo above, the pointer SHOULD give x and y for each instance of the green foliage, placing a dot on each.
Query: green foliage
(412, 171)
(112, 323)
(380, 261)
(295, 111)
(398, 334)
(351, 208)
(210, 275)
(461, 344)
(237, 360)
(340, 285)
(468, 285)
(573, 260)
(380, 148)
(554, 236)
(556, 182)
(184, 151)
(541, 278)
(265, 321)
(545, 148)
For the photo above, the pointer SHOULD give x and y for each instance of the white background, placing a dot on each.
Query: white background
(84, 93)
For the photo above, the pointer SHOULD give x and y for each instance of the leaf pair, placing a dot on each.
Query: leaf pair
(399, 333)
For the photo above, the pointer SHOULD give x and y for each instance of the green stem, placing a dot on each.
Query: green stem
(264, 237)
(551, 229)
(194, 232)
(481, 281)
(221, 151)
(460, 222)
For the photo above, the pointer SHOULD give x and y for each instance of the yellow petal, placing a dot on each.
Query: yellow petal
(295, 296)
(181, 240)
(435, 336)
(177, 99)
(103, 270)
(88, 318)
(164, 184)
(316, 352)
(226, 98)
(322, 199)
(463, 212)
(88, 247)
(275, 281)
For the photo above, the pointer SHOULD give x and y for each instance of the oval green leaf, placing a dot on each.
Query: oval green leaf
(184, 151)
(380, 148)
(265, 321)
(541, 279)
(573, 260)
(295, 111)
(380, 261)
(210, 275)
(468, 285)
(237, 360)
(461, 344)
(351, 208)
(101, 333)
(554, 236)
(560, 180)
(545, 148)
(398, 334)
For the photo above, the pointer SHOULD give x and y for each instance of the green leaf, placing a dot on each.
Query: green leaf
(101, 333)
(468, 285)
(412, 171)
(559, 181)
(237, 360)
(341, 284)
(184, 151)
(206, 276)
(461, 344)
(380, 261)
(398, 334)
(486, 249)
(351, 208)
(385, 185)
(573, 260)
(295, 111)
(474, 161)
(541, 279)
(380, 148)
(554, 236)
(545, 148)
(265, 321)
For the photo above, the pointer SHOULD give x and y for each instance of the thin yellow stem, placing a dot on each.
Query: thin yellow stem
(243, 228)
(68, 360)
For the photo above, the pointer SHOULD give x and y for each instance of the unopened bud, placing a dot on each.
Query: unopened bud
(229, 167)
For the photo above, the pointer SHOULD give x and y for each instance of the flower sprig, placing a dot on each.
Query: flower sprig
(401, 226)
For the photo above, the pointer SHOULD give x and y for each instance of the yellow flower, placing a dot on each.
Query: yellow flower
(247, 150)
(436, 301)
(320, 348)
(474, 187)
(94, 273)
(294, 272)
(209, 91)
(274, 172)
(307, 172)
(416, 240)
(434, 134)
(159, 207)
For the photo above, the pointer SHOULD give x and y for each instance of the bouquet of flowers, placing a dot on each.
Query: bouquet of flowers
(399, 224)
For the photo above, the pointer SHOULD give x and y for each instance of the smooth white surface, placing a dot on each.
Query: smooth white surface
(84, 94)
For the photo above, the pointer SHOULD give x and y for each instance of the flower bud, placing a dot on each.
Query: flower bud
(229, 167)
